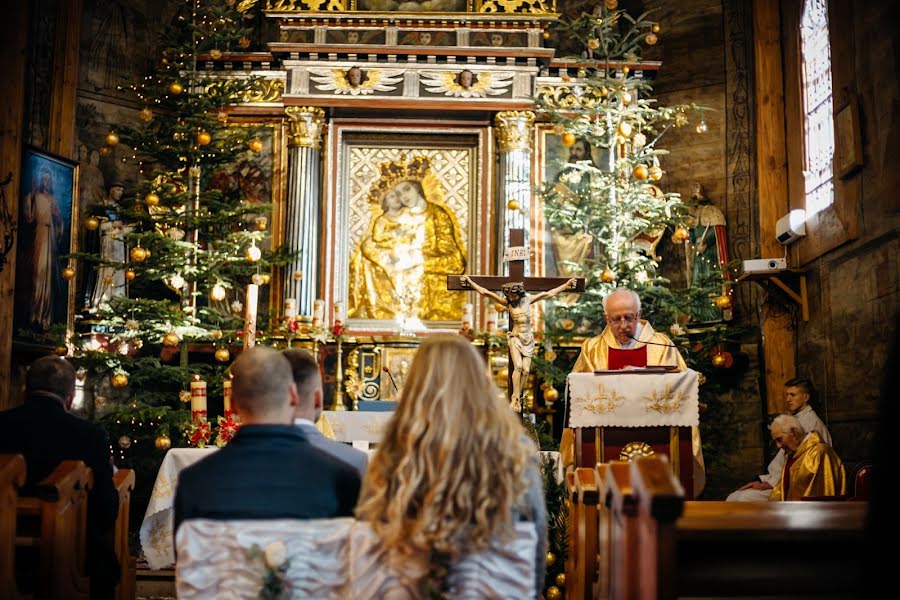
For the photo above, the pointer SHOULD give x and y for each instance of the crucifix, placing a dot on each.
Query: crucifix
(516, 300)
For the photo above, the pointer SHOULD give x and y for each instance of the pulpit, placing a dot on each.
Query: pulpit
(617, 415)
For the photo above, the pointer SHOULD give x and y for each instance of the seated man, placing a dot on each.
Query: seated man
(798, 393)
(309, 408)
(628, 340)
(812, 467)
(269, 470)
(45, 433)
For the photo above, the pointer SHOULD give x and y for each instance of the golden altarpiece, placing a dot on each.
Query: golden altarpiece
(409, 150)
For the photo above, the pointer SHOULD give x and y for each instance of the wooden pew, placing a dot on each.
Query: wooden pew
(733, 549)
(123, 481)
(621, 548)
(60, 512)
(581, 568)
(12, 477)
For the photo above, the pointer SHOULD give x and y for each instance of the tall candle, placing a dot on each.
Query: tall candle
(318, 312)
(250, 305)
(338, 313)
(226, 395)
(491, 318)
(290, 308)
(198, 398)
(467, 315)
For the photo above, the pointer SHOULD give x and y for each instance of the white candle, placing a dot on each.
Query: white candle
(318, 312)
(290, 308)
(226, 395)
(468, 311)
(338, 313)
(250, 315)
(491, 319)
(198, 398)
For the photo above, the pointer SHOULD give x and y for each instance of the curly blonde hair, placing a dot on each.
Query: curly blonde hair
(451, 465)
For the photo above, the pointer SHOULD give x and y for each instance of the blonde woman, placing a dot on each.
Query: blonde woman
(454, 469)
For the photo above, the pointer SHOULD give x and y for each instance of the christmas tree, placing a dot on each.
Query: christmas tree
(607, 211)
(180, 262)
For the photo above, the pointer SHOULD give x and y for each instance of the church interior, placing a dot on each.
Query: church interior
(182, 180)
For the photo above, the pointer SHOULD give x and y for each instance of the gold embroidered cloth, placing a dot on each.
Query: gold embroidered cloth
(633, 399)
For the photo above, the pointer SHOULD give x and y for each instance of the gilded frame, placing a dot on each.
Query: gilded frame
(46, 178)
(354, 152)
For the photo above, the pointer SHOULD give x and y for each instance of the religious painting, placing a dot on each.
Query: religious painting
(412, 6)
(48, 216)
(563, 249)
(411, 208)
(395, 364)
(257, 176)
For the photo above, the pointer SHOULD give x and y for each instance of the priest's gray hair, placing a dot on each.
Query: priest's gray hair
(633, 294)
(787, 423)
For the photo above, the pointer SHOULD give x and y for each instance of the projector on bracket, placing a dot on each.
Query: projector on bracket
(765, 265)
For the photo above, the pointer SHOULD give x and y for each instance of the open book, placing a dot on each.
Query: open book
(632, 369)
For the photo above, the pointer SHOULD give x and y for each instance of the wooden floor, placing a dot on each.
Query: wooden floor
(154, 585)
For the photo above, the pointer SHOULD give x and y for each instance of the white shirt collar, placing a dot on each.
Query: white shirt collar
(631, 343)
(300, 421)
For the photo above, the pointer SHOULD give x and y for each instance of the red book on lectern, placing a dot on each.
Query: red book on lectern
(619, 359)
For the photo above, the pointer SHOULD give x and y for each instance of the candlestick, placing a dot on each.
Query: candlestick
(339, 379)
(198, 398)
(250, 315)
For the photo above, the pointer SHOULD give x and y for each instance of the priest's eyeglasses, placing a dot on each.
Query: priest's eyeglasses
(623, 320)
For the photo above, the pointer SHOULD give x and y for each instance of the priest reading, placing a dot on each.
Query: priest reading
(629, 341)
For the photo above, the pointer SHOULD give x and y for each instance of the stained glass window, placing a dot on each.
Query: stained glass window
(817, 96)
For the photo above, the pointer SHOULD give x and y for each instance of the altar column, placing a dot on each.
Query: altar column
(302, 222)
(514, 135)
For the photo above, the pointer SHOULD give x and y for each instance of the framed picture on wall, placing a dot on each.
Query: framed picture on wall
(48, 216)
(848, 145)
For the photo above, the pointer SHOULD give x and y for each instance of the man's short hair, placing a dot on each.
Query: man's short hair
(51, 376)
(305, 370)
(621, 290)
(804, 384)
(261, 380)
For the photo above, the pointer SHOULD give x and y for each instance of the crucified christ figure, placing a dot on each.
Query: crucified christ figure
(520, 336)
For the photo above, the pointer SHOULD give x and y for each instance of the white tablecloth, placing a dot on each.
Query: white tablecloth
(357, 426)
(157, 537)
(636, 399)
(156, 529)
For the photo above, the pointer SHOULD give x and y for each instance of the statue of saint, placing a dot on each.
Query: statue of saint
(709, 255)
(519, 337)
(399, 268)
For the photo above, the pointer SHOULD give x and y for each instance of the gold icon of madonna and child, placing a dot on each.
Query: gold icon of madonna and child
(413, 241)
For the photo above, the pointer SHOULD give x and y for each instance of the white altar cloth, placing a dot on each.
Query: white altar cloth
(633, 399)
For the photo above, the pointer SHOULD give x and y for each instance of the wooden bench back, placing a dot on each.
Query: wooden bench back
(61, 510)
(733, 549)
(123, 481)
(12, 477)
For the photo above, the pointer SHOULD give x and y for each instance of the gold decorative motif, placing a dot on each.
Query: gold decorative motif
(307, 5)
(632, 450)
(352, 383)
(601, 402)
(534, 7)
(514, 130)
(376, 426)
(664, 402)
(337, 427)
(305, 126)
(265, 90)
(569, 97)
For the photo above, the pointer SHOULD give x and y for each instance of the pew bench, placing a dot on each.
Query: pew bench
(733, 549)
(12, 478)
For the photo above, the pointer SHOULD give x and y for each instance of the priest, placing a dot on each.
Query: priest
(629, 341)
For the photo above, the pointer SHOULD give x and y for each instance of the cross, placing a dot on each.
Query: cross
(517, 255)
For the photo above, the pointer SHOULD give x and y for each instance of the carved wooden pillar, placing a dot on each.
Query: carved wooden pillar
(514, 136)
(303, 216)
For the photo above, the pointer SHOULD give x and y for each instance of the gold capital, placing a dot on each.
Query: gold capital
(306, 124)
(514, 130)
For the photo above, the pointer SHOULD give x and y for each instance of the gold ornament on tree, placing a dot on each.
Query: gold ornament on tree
(171, 339)
(92, 223)
(568, 139)
(119, 380)
(680, 234)
(68, 273)
(553, 593)
(146, 115)
(255, 145)
(175, 88)
(138, 254)
(217, 293)
(203, 138)
(608, 275)
(222, 354)
(130, 275)
(162, 442)
(112, 138)
(561, 579)
(151, 199)
(551, 559)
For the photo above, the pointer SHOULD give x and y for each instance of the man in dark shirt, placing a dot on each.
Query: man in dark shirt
(269, 470)
(45, 433)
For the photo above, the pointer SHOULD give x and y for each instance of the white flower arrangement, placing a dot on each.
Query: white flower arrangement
(273, 562)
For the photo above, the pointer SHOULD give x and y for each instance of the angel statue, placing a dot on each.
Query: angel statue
(519, 337)
(466, 83)
(356, 81)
